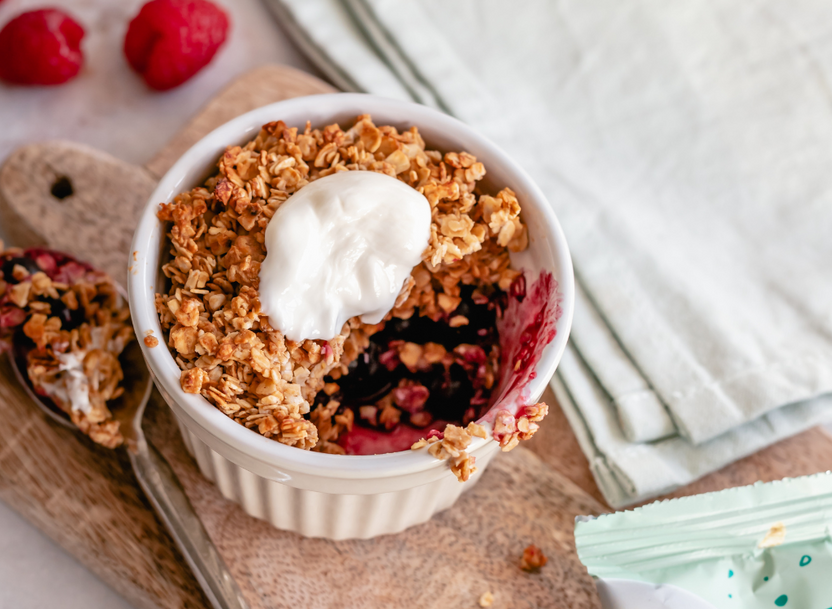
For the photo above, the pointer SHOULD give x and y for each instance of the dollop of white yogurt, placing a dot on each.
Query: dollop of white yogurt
(71, 386)
(341, 246)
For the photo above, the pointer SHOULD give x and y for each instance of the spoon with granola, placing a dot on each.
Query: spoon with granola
(72, 347)
(69, 326)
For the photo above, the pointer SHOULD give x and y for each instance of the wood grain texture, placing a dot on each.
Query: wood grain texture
(85, 498)
(473, 547)
(90, 503)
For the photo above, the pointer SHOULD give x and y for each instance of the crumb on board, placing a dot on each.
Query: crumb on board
(486, 600)
(533, 559)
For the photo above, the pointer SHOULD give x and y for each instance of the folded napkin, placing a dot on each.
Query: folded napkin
(685, 148)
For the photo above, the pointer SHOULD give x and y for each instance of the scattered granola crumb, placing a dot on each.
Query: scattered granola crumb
(775, 536)
(509, 429)
(533, 559)
(458, 320)
(451, 446)
(151, 341)
(419, 444)
(476, 430)
(486, 600)
(463, 466)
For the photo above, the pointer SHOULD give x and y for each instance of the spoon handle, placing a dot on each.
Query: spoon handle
(162, 489)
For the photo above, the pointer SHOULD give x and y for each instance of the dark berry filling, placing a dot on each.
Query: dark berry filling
(58, 267)
(404, 367)
(9, 262)
(70, 319)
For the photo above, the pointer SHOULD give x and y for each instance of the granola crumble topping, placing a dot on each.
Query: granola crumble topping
(297, 392)
(78, 325)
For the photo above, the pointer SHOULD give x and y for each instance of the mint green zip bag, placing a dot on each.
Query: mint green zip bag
(760, 546)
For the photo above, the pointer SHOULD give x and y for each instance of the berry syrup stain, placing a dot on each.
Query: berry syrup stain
(520, 322)
(527, 327)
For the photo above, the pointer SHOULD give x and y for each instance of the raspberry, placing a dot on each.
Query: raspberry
(171, 40)
(41, 48)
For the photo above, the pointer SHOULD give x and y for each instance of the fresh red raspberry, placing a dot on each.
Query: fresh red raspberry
(41, 47)
(171, 40)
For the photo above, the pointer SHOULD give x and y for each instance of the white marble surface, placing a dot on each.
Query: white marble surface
(108, 107)
(35, 573)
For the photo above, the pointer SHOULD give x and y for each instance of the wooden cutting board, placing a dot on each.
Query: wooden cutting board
(86, 498)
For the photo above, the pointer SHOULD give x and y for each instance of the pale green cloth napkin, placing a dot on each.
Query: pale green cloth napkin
(687, 150)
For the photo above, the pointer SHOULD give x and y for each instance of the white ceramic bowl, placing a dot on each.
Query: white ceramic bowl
(316, 494)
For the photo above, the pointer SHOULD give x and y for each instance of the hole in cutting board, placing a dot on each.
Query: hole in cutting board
(61, 188)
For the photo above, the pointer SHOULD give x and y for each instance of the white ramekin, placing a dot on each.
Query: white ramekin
(316, 494)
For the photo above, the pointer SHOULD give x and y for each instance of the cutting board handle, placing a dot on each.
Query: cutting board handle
(74, 199)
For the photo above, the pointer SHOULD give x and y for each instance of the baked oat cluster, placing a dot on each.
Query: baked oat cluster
(533, 559)
(293, 391)
(77, 324)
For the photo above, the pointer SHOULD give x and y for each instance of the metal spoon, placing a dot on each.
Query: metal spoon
(155, 476)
